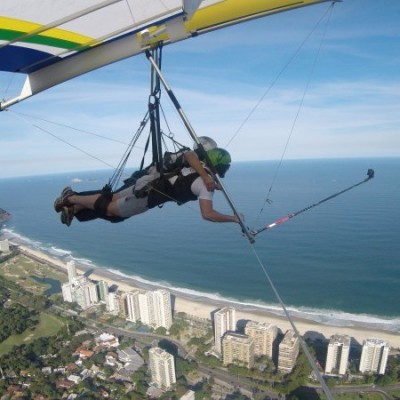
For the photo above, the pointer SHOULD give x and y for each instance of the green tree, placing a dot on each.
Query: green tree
(98, 359)
(161, 331)
(184, 367)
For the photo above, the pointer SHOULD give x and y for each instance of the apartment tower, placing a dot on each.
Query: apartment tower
(162, 367)
(264, 336)
(238, 349)
(71, 270)
(224, 321)
(374, 356)
(288, 352)
(337, 356)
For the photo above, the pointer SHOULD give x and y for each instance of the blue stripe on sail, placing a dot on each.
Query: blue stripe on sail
(23, 59)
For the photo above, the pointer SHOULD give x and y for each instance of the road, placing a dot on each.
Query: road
(244, 384)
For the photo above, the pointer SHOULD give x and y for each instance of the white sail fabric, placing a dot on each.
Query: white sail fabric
(52, 41)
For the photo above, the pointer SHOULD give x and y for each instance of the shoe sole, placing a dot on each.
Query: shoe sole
(61, 201)
(66, 217)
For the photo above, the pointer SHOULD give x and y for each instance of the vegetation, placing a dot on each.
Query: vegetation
(31, 338)
(15, 319)
(48, 325)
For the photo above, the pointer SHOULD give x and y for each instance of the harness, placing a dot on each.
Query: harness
(161, 190)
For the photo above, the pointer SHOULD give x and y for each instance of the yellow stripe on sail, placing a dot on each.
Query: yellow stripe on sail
(26, 27)
(227, 11)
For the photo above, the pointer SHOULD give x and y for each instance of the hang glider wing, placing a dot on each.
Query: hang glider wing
(52, 41)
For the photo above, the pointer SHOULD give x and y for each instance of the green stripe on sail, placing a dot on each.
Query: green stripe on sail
(7, 35)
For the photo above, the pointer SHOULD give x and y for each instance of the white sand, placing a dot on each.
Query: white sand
(203, 308)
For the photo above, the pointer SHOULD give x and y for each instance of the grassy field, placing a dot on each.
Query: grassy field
(20, 270)
(48, 326)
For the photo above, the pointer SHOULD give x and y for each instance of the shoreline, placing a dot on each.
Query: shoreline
(202, 307)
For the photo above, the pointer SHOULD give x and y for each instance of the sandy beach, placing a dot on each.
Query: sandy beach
(202, 308)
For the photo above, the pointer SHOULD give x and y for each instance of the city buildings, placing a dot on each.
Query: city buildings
(264, 336)
(338, 354)
(152, 308)
(102, 290)
(238, 349)
(288, 352)
(162, 368)
(132, 305)
(71, 271)
(224, 321)
(112, 303)
(162, 308)
(375, 353)
(81, 290)
(4, 246)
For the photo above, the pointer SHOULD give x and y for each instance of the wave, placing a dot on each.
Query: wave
(20, 239)
(51, 250)
(321, 316)
(59, 252)
(83, 261)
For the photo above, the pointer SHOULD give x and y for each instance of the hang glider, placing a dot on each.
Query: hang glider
(53, 41)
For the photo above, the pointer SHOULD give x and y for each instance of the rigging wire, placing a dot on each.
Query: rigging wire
(118, 170)
(295, 54)
(300, 107)
(114, 180)
(279, 221)
(21, 117)
(264, 269)
(293, 325)
(68, 127)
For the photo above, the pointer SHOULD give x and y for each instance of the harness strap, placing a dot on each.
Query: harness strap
(103, 201)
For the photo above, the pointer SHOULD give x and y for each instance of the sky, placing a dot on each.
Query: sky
(317, 82)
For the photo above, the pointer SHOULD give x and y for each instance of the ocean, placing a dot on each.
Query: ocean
(336, 263)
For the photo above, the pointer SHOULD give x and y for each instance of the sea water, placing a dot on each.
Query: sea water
(337, 262)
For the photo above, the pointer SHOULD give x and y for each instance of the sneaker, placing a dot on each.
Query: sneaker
(67, 215)
(62, 201)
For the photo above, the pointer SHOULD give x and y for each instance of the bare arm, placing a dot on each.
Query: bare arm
(195, 163)
(208, 213)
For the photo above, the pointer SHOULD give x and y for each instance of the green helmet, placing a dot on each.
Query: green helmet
(220, 159)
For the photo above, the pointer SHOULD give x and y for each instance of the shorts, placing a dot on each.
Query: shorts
(129, 205)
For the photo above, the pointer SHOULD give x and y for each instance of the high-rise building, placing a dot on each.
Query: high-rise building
(67, 290)
(122, 306)
(162, 367)
(102, 290)
(338, 354)
(238, 349)
(132, 304)
(152, 308)
(112, 303)
(224, 321)
(288, 351)
(162, 308)
(4, 246)
(85, 295)
(79, 289)
(71, 270)
(374, 356)
(146, 308)
(264, 336)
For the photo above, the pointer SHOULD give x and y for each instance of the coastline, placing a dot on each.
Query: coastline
(202, 307)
